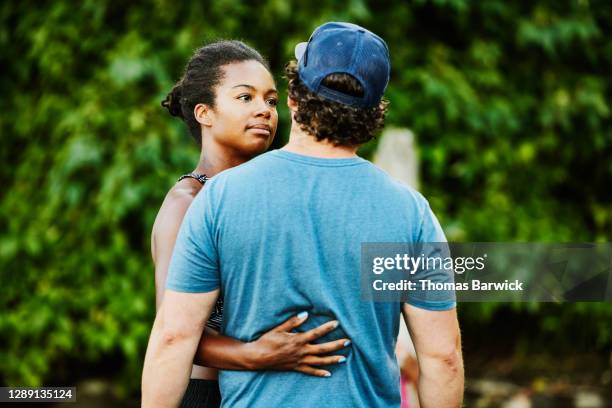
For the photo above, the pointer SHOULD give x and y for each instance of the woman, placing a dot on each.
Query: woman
(227, 98)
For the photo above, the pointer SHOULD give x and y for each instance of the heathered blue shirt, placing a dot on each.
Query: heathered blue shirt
(282, 234)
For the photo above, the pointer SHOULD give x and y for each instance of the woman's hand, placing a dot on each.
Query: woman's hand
(281, 350)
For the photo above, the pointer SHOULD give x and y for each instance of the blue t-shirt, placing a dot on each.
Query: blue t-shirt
(282, 234)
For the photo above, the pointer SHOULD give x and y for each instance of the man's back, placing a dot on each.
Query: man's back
(282, 234)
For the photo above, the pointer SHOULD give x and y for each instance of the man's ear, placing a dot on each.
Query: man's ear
(291, 104)
(203, 114)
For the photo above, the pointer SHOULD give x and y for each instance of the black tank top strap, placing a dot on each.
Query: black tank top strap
(202, 178)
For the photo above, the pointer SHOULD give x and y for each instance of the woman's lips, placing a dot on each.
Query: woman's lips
(264, 130)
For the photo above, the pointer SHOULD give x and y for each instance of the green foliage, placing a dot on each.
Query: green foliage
(509, 102)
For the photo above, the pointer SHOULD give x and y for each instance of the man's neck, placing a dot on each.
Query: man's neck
(301, 142)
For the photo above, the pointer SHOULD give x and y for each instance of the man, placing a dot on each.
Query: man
(282, 234)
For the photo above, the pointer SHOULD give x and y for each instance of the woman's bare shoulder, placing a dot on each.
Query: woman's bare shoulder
(171, 214)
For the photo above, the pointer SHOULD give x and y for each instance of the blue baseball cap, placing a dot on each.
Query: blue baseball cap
(345, 48)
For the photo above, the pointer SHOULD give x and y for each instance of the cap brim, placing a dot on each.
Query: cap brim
(300, 49)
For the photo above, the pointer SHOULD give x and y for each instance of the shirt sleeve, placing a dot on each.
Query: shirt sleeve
(432, 244)
(194, 266)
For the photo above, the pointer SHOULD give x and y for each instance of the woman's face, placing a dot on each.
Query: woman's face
(244, 118)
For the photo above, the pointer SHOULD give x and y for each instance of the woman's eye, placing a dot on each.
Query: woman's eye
(272, 102)
(245, 97)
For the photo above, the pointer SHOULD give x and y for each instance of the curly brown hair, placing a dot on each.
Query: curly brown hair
(341, 124)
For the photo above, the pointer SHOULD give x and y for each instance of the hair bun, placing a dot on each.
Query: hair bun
(173, 101)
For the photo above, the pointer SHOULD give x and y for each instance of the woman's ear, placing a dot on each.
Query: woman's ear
(203, 114)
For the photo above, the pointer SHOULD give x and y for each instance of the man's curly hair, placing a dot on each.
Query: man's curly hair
(341, 124)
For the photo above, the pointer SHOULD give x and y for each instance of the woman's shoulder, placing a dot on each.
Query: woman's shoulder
(183, 192)
(175, 205)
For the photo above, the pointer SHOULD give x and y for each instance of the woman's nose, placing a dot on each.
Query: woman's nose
(264, 109)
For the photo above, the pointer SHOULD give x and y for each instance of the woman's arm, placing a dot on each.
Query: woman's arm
(163, 237)
(278, 349)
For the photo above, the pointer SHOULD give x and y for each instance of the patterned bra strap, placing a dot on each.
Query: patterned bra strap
(202, 178)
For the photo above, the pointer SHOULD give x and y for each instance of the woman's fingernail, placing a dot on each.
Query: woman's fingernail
(302, 315)
(347, 343)
(336, 323)
(328, 374)
(342, 359)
